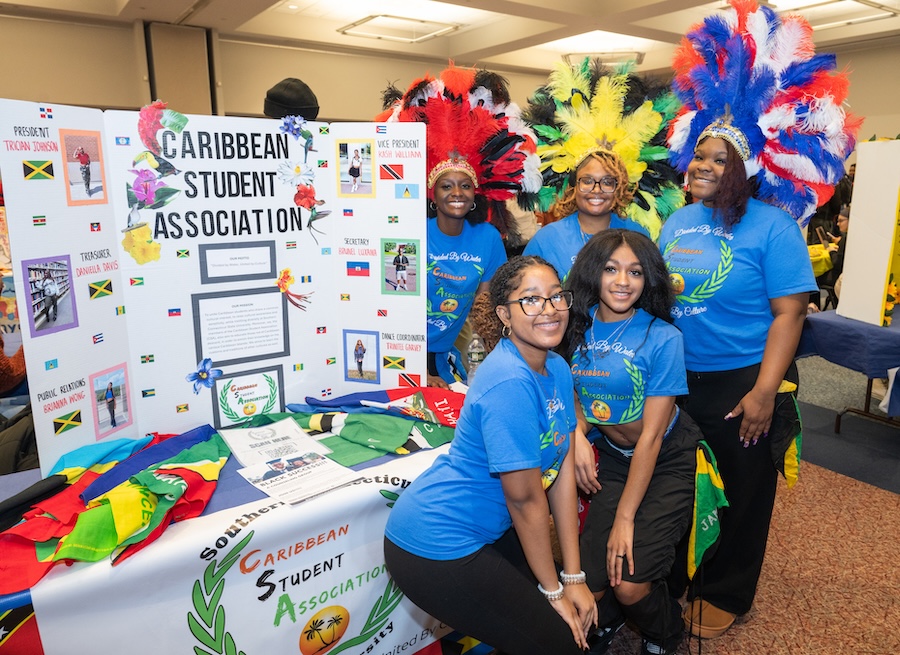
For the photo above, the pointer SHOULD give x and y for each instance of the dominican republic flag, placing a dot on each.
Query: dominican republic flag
(359, 269)
(424, 403)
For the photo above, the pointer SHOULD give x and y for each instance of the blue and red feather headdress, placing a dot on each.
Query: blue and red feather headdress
(752, 77)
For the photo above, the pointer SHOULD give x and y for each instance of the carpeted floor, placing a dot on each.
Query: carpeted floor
(830, 582)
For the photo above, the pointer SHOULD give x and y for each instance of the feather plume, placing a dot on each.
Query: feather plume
(761, 71)
(590, 106)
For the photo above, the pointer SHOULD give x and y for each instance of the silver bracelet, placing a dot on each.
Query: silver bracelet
(572, 578)
(552, 595)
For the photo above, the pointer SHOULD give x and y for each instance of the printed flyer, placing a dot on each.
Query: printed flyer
(173, 270)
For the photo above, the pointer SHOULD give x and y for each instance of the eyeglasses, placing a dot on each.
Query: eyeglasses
(534, 305)
(607, 184)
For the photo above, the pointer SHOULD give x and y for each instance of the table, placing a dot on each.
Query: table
(260, 575)
(859, 346)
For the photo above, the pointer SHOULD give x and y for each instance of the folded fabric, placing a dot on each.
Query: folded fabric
(118, 522)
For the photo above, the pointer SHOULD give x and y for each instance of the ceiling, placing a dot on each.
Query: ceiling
(523, 35)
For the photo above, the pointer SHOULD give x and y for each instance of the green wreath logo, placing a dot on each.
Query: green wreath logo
(708, 288)
(207, 621)
(233, 415)
(633, 412)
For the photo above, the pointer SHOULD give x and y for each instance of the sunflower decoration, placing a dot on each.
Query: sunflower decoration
(589, 108)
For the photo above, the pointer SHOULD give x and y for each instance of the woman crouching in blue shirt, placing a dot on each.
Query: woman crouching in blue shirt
(469, 540)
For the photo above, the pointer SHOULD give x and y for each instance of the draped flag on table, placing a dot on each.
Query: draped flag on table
(19, 632)
(709, 498)
(424, 403)
(118, 522)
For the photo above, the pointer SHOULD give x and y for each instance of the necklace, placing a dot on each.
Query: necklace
(616, 333)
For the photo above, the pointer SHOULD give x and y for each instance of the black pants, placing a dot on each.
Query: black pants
(729, 578)
(490, 595)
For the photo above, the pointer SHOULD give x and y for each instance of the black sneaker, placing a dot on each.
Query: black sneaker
(652, 648)
(599, 642)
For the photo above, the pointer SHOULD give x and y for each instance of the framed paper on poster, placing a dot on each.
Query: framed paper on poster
(84, 168)
(244, 394)
(112, 400)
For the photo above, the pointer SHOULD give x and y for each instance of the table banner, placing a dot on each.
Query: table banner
(262, 577)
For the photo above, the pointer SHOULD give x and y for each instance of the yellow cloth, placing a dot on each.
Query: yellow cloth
(821, 260)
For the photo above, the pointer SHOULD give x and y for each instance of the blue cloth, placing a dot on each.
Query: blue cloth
(560, 242)
(725, 277)
(513, 419)
(614, 379)
(147, 457)
(456, 266)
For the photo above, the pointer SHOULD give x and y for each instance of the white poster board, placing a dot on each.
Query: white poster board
(209, 268)
(873, 232)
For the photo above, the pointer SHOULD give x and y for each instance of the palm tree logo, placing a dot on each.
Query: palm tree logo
(323, 631)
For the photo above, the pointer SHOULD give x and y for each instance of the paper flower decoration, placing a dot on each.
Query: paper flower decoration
(204, 376)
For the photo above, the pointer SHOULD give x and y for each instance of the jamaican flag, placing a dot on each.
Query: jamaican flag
(709, 498)
(786, 433)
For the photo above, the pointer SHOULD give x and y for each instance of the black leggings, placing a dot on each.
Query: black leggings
(490, 595)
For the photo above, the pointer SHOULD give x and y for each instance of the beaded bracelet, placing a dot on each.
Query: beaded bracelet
(572, 578)
(552, 595)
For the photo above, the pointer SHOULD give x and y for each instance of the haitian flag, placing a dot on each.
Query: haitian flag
(358, 269)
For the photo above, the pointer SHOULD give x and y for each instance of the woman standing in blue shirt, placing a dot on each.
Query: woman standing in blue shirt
(469, 540)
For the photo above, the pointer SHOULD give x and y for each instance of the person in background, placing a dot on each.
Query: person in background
(628, 366)
(291, 97)
(741, 270)
(510, 465)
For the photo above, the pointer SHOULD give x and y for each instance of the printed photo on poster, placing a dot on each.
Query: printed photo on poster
(240, 395)
(112, 400)
(399, 263)
(52, 302)
(361, 356)
(84, 167)
(355, 166)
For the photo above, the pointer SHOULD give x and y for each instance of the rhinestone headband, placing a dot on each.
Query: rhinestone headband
(723, 129)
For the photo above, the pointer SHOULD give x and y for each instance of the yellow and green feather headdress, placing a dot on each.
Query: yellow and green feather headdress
(588, 108)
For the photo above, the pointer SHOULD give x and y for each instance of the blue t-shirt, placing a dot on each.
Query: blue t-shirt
(613, 378)
(560, 242)
(512, 419)
(456, 266)
(724, 279)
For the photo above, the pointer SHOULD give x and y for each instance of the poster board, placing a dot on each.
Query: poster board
(206, 269)
(873, 245)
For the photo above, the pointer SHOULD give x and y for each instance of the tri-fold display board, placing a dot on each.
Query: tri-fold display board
(173, 270)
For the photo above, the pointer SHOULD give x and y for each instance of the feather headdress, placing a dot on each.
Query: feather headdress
(473, 127)
(752, 77)
(589, 108)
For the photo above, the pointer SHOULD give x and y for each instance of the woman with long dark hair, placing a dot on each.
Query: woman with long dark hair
(628, 366)
(469, 541)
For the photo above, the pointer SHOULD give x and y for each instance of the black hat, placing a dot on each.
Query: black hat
(291, 97)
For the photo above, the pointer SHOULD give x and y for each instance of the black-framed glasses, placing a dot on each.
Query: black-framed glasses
(534, 305)
(607, 184)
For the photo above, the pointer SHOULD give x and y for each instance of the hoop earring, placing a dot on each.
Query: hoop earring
(474, 206)
(432, 206)
(505, 331)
